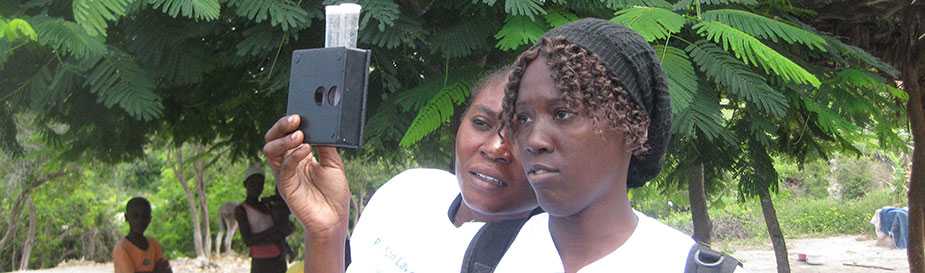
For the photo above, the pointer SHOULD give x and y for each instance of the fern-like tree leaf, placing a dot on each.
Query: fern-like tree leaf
(94, 15)
(621, 4)
(406, 31)
(67, 38)
(737, 77)
(257, 41)
(528, 8)
(518, 31)
(859, 56)
(864, 81)
(689, 4)
(766, 28)
(16, 29)
(830, 121)
(205, 10)
(386, 12)
(438, 111)
(557, 17)
(118, 81)
(282, 13)
(464, 38)
(652, 23)
(682, 79)
(704, 116)
(753, 52)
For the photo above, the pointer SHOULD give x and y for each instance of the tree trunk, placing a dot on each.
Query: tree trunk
(17, 207)
(203, 203)
(915, 251)
(191, 201)
(13, 255)
(30, 239)
(703, 227)
(12, 223)
(777, 237)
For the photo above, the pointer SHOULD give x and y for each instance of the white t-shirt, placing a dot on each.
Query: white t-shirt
(653, 247)
(406, 228)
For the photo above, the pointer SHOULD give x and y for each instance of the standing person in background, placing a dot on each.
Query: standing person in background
(137, 253)
(263, 235)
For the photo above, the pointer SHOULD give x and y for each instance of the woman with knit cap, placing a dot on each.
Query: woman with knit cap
(589, 116)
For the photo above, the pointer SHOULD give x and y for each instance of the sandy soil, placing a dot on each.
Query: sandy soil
(828, 255)
(227, 264)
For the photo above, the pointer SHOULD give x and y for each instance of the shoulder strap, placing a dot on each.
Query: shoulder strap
(702, 259)
(490, 243)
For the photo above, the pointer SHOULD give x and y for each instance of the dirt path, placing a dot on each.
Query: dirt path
(229, 264)
(832, 253)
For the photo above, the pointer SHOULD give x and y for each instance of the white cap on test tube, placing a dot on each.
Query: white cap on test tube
(341, 25)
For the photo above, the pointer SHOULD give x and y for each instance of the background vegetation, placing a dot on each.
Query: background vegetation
(101, 100)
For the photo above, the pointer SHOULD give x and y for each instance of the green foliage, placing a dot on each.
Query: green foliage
(528, 8)
(518, 31)
(829, 121)
(282, 13)
(706, 117)
(766, 28)
(205, 10)
(438, 111)
(685, 4)
(118, 80)
(93, 15)
(854, 178)
(652, 23)
(557, 17)
(384, 11)
(864, 81)
(67, 37)
(682, 80)
(737, 77)
(840, 50)
(16, 29)
(829, 216)
(619, 4)
(753, 52)
(463, 39)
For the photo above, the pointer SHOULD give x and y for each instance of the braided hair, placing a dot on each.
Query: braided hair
(586, 85)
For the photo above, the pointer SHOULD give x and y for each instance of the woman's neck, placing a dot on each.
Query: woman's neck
(594, 232)
(466, 214)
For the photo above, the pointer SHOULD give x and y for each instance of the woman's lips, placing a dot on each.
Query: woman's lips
(539, 172)
(486, 181)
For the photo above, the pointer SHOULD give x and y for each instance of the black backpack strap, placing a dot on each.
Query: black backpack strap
(490, 243)
(702, 259)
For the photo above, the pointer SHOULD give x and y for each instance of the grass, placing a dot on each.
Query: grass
(739, 225)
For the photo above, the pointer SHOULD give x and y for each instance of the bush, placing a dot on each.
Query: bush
(855, 177)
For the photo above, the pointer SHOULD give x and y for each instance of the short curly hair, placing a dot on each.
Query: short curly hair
(586, 86)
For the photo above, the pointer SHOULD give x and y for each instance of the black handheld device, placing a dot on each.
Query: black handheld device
(327, 88)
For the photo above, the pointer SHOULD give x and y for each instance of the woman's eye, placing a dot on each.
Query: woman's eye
(521, 118)
(562, 114)
(481, 124)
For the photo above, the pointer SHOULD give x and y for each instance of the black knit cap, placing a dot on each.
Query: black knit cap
(632, 62)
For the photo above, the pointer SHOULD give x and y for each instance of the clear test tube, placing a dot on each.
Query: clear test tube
(341, 25)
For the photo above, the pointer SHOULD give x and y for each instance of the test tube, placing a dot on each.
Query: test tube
(341, 25)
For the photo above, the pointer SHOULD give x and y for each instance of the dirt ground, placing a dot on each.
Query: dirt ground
(843, 254)
(227, 264)
(830, 255)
